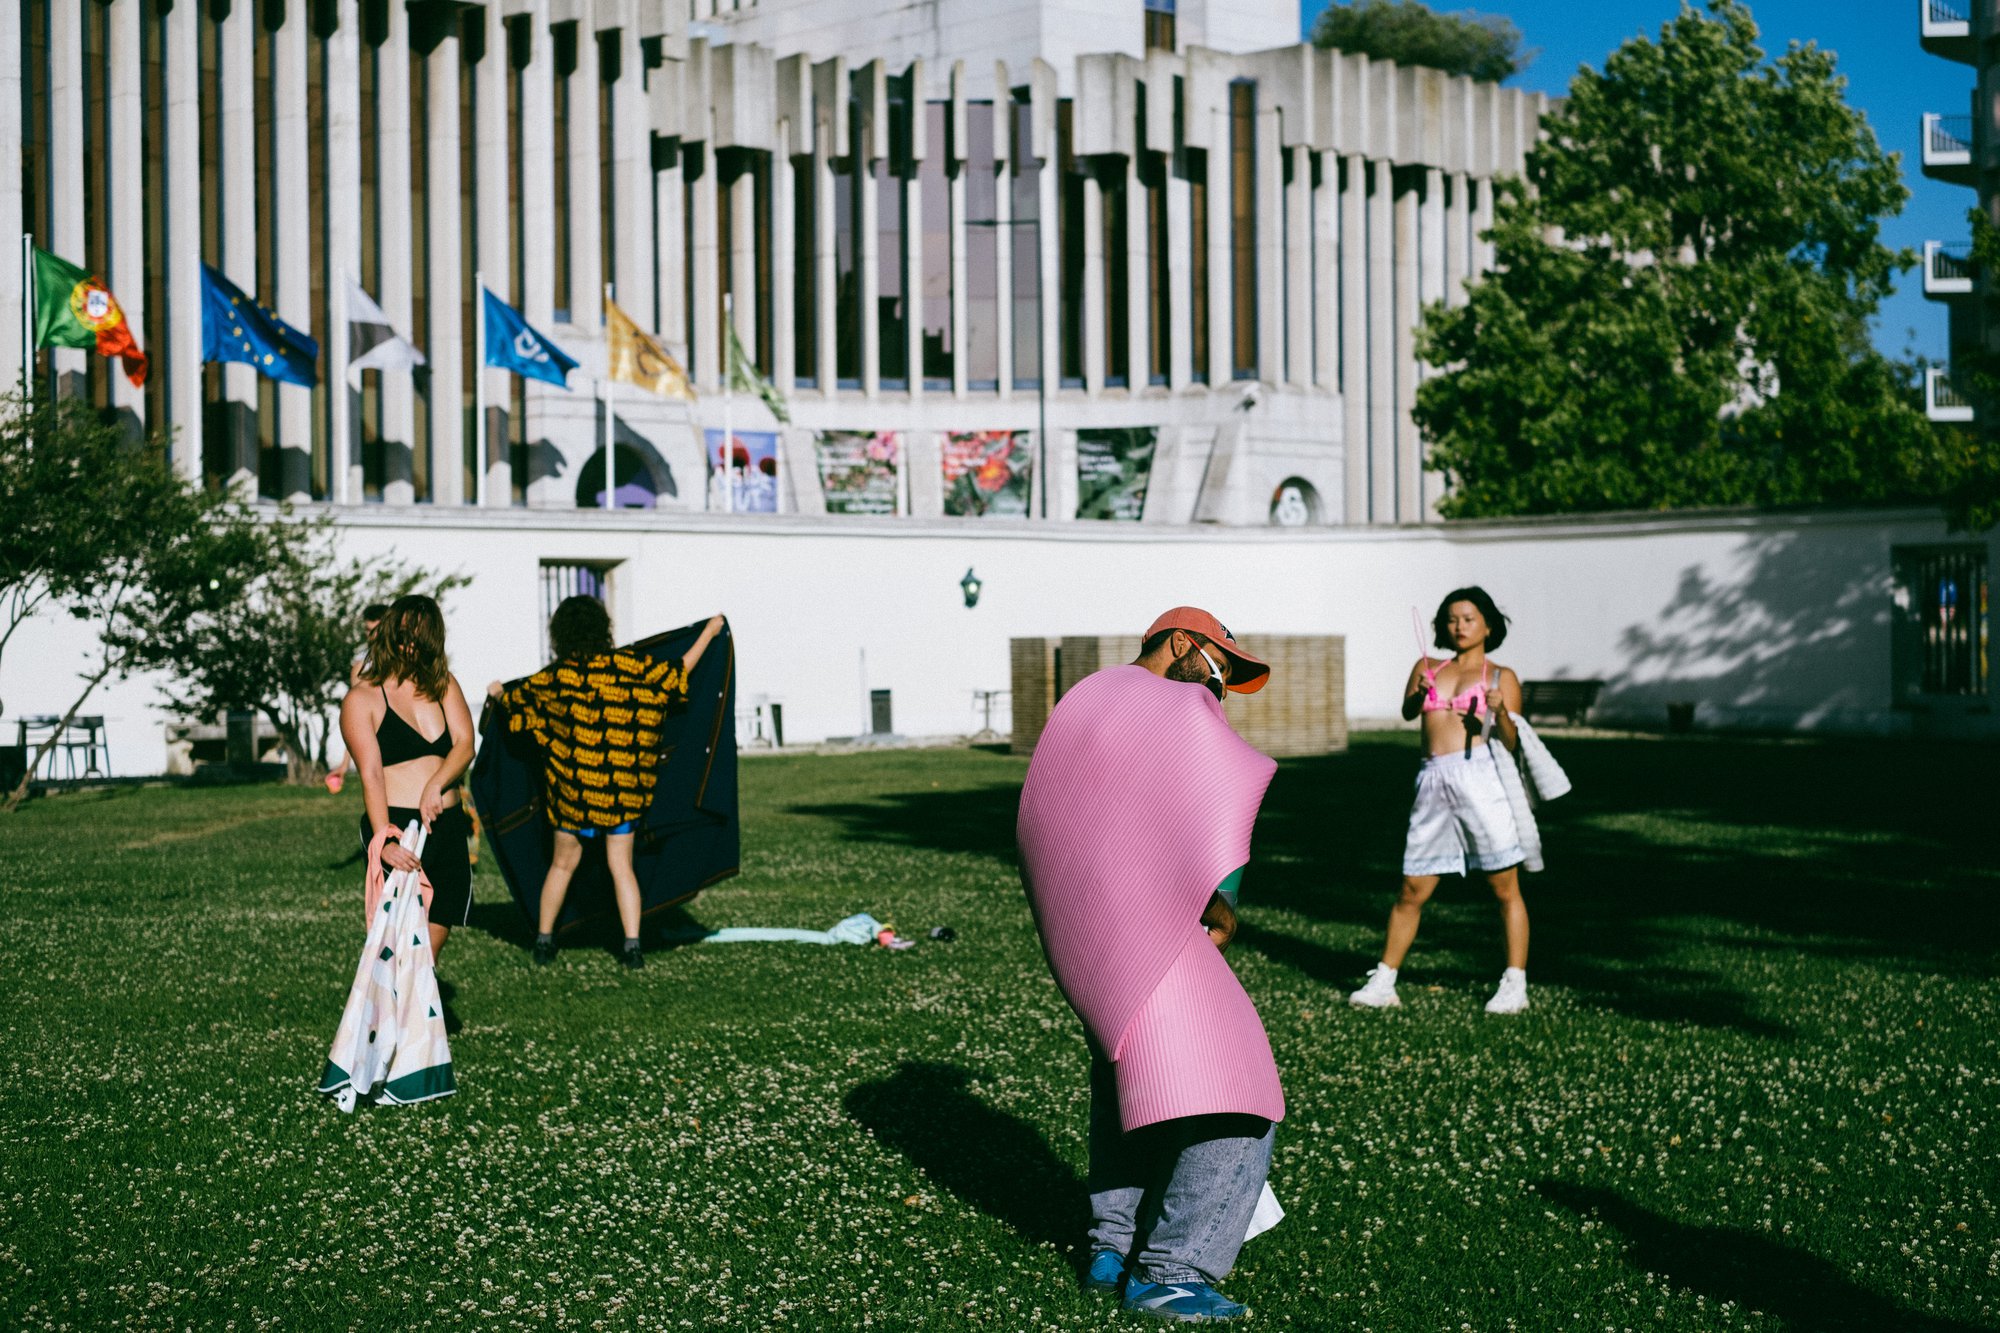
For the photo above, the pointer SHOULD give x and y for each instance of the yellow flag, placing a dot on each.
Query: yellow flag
(638, 358)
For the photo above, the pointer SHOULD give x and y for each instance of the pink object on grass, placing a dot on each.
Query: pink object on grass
(1139, 802)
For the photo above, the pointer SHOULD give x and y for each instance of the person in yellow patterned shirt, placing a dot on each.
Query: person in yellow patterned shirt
(597, 715)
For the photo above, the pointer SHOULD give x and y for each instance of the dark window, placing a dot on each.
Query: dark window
(982, 249)
(608, 67)
(1117, 268)
(1243, 226)
(847, 258)
(934, 200)
(1159, 25)
(565, 53)
(1197, 175)
(1026, 187)
(1069, 231)
(1948, 594)
(1159, 330)
(892, 221)
(420, 272)
(805, 273)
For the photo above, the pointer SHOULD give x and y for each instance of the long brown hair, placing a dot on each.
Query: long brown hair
(408, 644)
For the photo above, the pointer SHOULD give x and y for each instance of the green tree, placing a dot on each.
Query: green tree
(1479, 46)
(97, 523)
(1678, 313)
(285, 646)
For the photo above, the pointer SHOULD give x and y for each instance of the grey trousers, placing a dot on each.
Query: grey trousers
(1174, 1198)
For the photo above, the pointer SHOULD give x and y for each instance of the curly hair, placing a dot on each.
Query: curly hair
(408, 644)
(581, 627)
(1496, 622)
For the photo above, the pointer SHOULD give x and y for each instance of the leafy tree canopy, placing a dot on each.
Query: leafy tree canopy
(1478, 46)
(97, 523)
(1679, 311)
(285, 646)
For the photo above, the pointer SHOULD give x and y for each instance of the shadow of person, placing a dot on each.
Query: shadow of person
(1728, 1264)
(997, 1163)
(447, 992)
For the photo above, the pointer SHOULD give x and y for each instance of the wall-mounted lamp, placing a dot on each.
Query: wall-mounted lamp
(970, 586)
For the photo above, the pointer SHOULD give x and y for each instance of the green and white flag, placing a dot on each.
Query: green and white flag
(744, 377)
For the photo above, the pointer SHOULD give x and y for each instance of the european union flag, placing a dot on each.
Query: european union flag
(235, 328)
(512, 345)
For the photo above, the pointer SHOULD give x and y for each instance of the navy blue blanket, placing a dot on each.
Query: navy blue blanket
(689, 838)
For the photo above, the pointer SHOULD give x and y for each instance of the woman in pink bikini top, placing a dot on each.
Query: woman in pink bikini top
(1483, 691)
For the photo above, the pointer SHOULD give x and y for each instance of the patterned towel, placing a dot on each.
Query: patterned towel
(391, 1040)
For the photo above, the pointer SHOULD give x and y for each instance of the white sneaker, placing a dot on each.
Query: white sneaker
(1380, 992)
(1512, 995)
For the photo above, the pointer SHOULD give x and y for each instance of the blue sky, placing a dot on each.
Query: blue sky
(1890, 78)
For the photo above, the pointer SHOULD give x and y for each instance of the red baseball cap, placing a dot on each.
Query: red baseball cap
(1247, 674)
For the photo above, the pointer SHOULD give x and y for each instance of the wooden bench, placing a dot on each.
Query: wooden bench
(1567, 700)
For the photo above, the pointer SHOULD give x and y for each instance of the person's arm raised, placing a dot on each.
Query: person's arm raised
(701, 642)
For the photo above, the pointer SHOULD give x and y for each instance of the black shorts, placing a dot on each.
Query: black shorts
(447, 860)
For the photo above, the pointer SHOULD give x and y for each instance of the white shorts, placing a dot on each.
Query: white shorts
(1461, 820)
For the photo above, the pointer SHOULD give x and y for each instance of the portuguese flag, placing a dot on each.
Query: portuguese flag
(74, 309)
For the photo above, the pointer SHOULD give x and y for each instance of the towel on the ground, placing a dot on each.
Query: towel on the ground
(1138, 805)
(391, 1040)
(860, 928)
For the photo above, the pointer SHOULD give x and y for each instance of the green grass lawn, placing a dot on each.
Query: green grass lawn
(1757, 1089)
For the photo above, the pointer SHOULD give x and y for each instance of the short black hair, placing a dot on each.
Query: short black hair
(1496, 623)
(374, 611)
(581, 627)
(1155, 642)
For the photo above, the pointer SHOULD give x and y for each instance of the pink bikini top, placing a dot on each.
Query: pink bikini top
(1472, 700)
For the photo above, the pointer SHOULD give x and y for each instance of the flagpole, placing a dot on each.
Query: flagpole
(479, 387)
(729, 402)
(610, 387)
(27, 313)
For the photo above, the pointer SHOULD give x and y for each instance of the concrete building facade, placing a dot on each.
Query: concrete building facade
(1049, 224)
(1963, 149)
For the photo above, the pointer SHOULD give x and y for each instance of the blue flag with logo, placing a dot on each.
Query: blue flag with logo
(512, 345)
(235, 328)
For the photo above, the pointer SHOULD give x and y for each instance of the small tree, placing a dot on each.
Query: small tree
(94, 521)
(1679, 312)
(1478, 46)
(285, 648)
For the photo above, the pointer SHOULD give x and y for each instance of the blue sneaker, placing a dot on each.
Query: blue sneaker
(1107, 1273)
(1189, 1302)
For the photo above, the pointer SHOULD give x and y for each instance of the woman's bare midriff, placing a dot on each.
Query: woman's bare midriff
(1445, 733)
(403, 784)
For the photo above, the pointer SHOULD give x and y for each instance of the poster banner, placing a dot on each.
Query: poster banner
(755, 475)
(1112, 468)
(987, 472)
(858, 470)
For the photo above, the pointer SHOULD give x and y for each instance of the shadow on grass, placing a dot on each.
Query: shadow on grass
(1727, 1264)
(996, 1163)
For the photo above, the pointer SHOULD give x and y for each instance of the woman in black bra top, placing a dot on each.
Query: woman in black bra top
(407, 726)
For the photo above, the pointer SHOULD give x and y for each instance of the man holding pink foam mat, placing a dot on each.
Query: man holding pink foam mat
(1134, 832)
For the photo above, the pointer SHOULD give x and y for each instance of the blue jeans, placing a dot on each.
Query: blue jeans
(1175, 1198)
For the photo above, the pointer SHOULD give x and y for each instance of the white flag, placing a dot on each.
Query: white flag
(372, 344)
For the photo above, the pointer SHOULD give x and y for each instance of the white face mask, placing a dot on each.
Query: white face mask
(1216, 683)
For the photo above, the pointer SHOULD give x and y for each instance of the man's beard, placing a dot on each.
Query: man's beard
(1191, 668)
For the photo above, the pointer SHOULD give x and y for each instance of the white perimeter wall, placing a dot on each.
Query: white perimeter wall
(1763, 621)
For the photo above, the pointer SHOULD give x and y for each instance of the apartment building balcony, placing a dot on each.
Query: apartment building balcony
(1941, 401)
(1947, 270)
(1948, 148)
(1946, 31)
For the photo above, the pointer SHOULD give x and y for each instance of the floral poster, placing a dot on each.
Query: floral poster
(987, 472)
(753, 472)
(1112, 468)
(858, 470)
